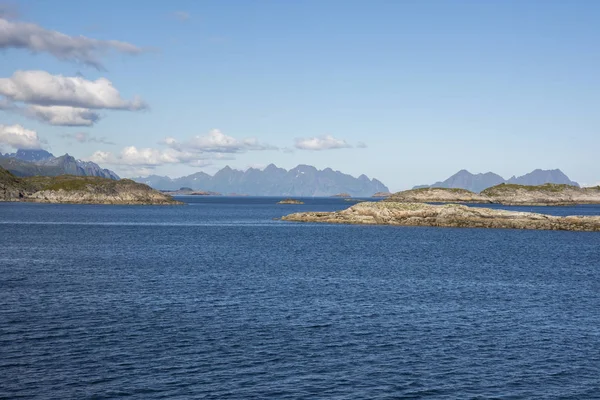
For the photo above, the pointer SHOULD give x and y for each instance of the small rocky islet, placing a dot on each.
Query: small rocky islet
(447, 215)
(72, 189)
(290, 201)
(411, 208)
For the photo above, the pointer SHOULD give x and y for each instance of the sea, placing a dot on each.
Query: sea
(218, 299)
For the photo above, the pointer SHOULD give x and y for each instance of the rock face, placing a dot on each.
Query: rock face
(78, 190)
(438, 195)
(12, 188)
(463, 179)
(548, 194)
(449, 215)
(304, 180)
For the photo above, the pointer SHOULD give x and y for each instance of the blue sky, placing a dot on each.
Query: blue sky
(408, 92)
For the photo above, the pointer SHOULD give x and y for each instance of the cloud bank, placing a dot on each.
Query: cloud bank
(62, 100)
(18, 137)
(44, 89)
(217, 142)
(21, 35)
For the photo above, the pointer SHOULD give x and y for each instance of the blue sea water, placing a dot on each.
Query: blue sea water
(218, 300)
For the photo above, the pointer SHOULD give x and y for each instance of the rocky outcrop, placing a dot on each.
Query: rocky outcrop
(544, 195)
(78, 190)
(342, 195)
(438, 195)
(290, 201)
(382, 194)
(12, 188)
(449, 215)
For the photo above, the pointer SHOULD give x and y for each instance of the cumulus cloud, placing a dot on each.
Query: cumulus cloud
(43, 89)
(84, 137)
(325, 142)
(199, 151)
(21, 35)
(132, 156)
(62, 115)
(217, 142)
(18, 137)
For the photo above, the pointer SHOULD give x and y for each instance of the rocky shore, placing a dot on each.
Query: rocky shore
(78, 190)
(438, 195)
(506, 194)
(543, 195)
(449, 215)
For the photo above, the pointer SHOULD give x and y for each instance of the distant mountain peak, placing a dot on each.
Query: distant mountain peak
(463, 179)
(41, 162)
(303, 180)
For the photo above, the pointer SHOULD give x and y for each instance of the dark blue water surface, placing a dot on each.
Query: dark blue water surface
(219, 300)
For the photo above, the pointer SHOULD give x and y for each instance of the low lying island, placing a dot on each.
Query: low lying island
(448, 215)
(69, 189)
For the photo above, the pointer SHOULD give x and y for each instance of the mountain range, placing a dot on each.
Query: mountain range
(304, 180)
(40, 162)
(463, 179)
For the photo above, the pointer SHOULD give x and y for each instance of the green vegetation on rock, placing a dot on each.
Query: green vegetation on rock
(78, 189)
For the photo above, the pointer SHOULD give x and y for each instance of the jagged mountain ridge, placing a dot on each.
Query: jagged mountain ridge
(463, 179)
(40, 162)
(303, 180)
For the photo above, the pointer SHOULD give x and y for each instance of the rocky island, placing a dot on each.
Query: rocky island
(449, 215)
(382, 194)
(290, 201)
(506, 194)
(544, 195)
(78, 190)
(438, 195)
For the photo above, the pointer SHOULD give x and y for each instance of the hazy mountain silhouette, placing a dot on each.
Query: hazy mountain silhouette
(304, 180)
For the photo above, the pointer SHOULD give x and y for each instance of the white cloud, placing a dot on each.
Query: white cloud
(43, 89)
(361, 145)
(21, 35)
(18, 137)
(326, 142)
(148, 158)
(62, 115)
(217, 142)
(84, 137)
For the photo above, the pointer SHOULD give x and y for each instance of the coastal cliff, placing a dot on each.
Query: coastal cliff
(449, 215)
(78, 190)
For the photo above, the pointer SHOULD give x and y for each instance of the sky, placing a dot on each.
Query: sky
(408, 92)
